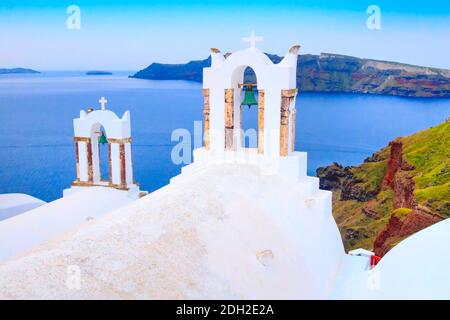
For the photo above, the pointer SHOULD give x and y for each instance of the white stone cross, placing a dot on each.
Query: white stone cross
(252, 39)
(103, 102)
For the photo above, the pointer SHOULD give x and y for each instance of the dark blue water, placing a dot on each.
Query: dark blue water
(37, 154)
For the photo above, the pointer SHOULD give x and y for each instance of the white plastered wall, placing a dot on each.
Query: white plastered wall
(83, 167)
(115, 163)
(128, 164)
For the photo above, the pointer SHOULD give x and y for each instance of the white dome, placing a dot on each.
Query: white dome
(224, 232)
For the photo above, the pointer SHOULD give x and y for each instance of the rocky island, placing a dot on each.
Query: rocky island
(334, 73)
(98, 73)
(399, 190)
(17, 70)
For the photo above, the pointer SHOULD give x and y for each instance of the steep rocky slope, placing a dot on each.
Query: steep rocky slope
(334, 73)
(396, 192)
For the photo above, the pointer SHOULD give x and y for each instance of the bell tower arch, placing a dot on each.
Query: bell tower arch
(95, 127)
(276, 83)
(223, 83)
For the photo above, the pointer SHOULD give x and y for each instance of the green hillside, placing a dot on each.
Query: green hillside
(363, 204)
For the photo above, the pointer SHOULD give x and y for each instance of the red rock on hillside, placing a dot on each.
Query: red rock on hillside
(408, 217)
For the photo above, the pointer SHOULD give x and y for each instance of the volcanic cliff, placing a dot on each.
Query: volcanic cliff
(396, 192)
(333, 73)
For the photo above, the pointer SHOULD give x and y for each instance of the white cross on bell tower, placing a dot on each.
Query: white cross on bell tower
(103, 103)
(252, 39)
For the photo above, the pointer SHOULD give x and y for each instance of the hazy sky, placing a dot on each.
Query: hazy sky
(129, 35)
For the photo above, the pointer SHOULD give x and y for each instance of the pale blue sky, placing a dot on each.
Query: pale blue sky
(129, 35)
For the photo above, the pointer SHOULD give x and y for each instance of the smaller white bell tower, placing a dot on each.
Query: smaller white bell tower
(96, 127)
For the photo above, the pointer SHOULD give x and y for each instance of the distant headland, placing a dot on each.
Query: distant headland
(98, 73)
(17, 70)
(333, 73)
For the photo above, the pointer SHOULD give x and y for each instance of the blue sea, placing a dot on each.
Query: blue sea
(37, 153)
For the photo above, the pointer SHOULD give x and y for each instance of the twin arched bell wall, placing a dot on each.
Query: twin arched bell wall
(99, 127)
(222, 83)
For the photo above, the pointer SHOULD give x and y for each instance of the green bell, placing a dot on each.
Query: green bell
(102, 139)
(249, 97)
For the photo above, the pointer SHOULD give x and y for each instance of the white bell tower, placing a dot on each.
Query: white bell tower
(276, 85)
(95, 127)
